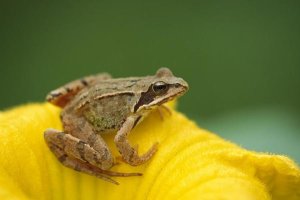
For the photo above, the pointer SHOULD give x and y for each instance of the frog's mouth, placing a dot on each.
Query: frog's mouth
(161, 101)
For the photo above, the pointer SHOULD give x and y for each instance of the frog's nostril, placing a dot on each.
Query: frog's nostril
(177, 85)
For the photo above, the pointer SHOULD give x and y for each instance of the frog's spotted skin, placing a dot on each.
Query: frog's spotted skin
(99, 104)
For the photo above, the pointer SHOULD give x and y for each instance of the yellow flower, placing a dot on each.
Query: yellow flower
(191, 163)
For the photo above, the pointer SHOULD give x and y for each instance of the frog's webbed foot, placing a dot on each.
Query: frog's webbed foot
(129, 153)
(63, 146)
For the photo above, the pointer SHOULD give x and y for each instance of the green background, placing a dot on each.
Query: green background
(241, 58)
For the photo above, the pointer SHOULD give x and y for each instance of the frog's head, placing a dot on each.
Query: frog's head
(163, 87)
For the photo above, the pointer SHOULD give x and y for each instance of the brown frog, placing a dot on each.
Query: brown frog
(100, 104)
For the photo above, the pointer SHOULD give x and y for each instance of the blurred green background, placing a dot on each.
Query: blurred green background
(241, 58)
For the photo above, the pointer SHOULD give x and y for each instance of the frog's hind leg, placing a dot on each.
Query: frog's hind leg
(61, 96)
(77, 164)
(62, 145)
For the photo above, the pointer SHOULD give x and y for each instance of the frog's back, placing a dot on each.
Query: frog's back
(105, 105)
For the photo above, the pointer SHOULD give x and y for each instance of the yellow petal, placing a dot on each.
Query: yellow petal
(191, 163)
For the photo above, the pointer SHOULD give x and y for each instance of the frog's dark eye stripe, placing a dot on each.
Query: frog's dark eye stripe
(156, 89)
(146, 97)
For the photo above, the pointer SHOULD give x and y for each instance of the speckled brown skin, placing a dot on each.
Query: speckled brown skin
(99, 104)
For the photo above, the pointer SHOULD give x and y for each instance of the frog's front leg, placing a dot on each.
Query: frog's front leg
(130, 154)
(80, 156)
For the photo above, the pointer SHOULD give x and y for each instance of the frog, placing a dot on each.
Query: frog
(99, 104)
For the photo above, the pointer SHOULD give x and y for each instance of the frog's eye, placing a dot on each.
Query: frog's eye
(160, 87)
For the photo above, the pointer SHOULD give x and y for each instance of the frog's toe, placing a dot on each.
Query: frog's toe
(135, 159)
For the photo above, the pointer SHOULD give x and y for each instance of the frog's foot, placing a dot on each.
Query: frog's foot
(61, 145)
(138, 160)
(161, 110)
(129, 153)
(119, 174)
(80, 166)
(134, 159)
